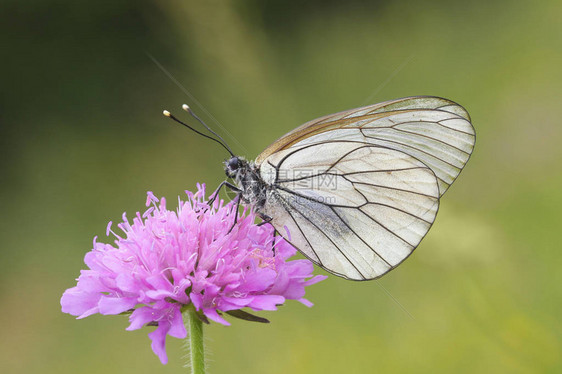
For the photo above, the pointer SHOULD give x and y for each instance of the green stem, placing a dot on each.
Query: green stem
(196, 349)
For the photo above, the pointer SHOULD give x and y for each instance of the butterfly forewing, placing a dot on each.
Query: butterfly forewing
(436, 131)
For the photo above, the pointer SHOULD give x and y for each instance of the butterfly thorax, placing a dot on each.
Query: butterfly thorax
(248, 180)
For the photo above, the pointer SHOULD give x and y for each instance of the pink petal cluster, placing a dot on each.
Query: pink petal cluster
(167, 260)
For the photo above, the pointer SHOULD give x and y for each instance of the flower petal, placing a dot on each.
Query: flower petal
(266, 302)
(177, 327)
(116, 305)
(141, 317)
(158, 338)
(305, 302)
(78, 303)
(214, 316)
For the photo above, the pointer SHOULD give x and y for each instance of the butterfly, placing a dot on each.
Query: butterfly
(356, 191)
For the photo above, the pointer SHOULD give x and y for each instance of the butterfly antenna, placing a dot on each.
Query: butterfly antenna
(188, 110)
(169, 115)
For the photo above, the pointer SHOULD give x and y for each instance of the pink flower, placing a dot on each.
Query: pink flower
(169, 260)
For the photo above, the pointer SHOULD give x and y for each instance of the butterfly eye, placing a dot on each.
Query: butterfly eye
(233, 163)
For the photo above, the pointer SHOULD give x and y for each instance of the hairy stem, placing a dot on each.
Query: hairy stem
(196, 349)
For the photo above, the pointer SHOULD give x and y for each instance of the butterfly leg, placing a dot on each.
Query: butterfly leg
(239, 197)
(275, 234)
(216, 193)
(268, 219)
(265, 218)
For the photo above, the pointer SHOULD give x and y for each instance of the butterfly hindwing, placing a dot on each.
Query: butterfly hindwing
(355, 209)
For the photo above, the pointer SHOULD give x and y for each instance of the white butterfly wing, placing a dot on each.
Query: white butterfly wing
(358, 190)
(355, 209)
(436, 131)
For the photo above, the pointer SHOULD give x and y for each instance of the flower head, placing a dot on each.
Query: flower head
(168, 261)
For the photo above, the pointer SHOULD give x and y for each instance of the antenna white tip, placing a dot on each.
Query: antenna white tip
(166, 113)
(186, 107)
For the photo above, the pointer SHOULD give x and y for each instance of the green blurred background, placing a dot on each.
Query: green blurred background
(83, 139)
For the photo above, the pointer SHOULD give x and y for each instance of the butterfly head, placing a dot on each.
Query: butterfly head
(234, 165)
